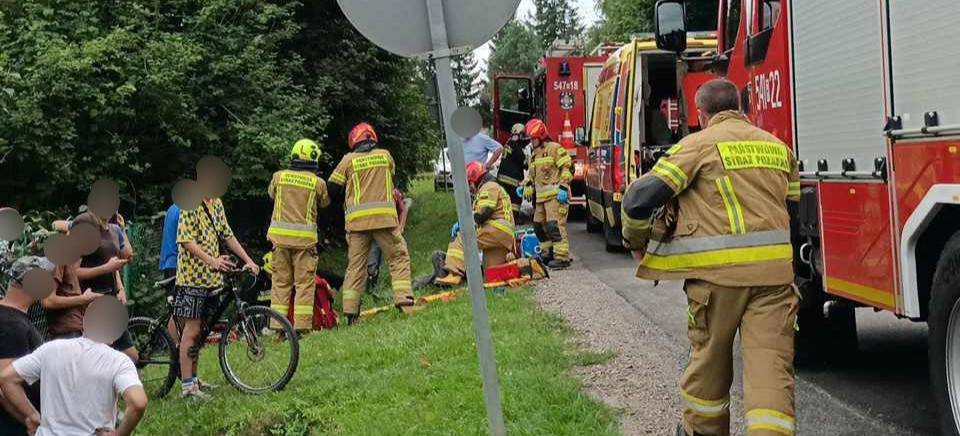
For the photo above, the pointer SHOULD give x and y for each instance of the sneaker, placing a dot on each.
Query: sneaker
(205, 387)
(194, 394)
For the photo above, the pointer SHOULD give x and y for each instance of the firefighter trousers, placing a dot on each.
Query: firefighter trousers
(394, 247)
(766, 318)
(294, 270)
(550, 224)
(493, 247)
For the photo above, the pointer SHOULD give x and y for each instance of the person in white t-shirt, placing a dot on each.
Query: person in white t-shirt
(80, 380)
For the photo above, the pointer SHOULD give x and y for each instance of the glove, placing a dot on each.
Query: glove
(454, 230)
(520, 191)
(563, 196)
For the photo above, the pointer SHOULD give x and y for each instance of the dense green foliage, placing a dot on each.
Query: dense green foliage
(620, 19)
(137, 91)
(554, 20)
(466, 78)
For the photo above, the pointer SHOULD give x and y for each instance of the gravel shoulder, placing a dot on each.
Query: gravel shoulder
(645, 328)
(641, 379)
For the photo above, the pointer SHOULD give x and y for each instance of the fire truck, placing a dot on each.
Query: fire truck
(636, 117)
(867, 95)
(558, 94)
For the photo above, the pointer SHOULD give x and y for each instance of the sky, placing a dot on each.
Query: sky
(585, 10)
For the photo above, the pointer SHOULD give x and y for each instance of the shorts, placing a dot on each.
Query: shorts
(194, 303)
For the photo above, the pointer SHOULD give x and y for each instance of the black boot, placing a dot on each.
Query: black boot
(681, 432)
(352, 319)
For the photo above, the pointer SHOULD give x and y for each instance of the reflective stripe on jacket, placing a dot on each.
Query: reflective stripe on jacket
(296, 197)
(368, 181)
(549, 170)
(728, 222)
(492, 196)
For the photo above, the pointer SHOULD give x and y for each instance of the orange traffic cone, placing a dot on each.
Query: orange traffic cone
(566, 136)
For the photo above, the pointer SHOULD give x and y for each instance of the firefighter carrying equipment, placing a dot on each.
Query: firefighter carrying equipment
(366, 176)
(495, 236)
(293, 232)
(549, 174)
(766, 318)
(728, 222)
(725, 228)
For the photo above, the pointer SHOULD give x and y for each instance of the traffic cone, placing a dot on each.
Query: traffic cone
(566, 136)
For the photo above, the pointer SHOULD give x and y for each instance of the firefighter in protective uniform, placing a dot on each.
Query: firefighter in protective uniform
(512, 166)
(297, 193)
(366, 177)
(726, 196)
(494, 221)
(548, 186)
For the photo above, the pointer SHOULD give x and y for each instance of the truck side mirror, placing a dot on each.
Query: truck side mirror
(580, 136)
(670, 25)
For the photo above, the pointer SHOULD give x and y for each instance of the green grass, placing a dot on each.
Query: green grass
(409, 375)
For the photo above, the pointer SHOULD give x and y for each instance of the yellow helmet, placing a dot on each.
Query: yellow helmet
(307, 150)
(268, 262)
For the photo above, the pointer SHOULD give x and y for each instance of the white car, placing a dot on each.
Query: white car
(442, 175)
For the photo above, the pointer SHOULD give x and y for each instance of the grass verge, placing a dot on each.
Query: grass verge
(409, 375)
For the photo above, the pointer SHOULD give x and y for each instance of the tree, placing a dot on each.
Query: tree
(466, 76)
(620, 19)
(554, 20)
(138, 92)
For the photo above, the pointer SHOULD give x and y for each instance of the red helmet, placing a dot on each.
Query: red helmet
(475, 171)
(360, 133)
(536, 129)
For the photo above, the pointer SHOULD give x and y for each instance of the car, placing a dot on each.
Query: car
(442, 177)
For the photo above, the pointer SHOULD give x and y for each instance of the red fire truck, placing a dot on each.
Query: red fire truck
(867, 95)
(556, 93)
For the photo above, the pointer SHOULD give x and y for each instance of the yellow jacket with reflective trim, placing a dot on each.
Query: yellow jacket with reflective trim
(549, 170)
(368, 181)
(296, 196)
(499, 226)
(728, 221)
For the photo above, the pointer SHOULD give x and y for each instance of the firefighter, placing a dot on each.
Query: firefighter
(548, 186)
(728, 194)
(297, 193)
(513, 166)
(366, 176)
(494, 221)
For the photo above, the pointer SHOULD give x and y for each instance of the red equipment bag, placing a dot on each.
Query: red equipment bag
(324, 317)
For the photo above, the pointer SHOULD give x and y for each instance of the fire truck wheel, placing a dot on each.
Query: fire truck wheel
(944, 348)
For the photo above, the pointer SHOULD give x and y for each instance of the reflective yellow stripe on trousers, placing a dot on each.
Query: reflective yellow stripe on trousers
(705, 408)
(767, 419)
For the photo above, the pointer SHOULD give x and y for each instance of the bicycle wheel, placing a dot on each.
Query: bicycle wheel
(256, 359)
(159, 355)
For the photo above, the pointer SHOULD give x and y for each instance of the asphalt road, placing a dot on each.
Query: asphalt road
(882, 390)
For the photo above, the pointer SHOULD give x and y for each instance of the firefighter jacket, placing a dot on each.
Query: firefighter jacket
(296, 196)
(367, 177)
(513, 163)
(492, 211)
(727, 222)
(549, 170)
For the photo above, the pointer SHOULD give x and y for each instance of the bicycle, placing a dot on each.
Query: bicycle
(251, 361)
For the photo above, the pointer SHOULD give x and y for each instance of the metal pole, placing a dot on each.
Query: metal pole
(478, 298)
